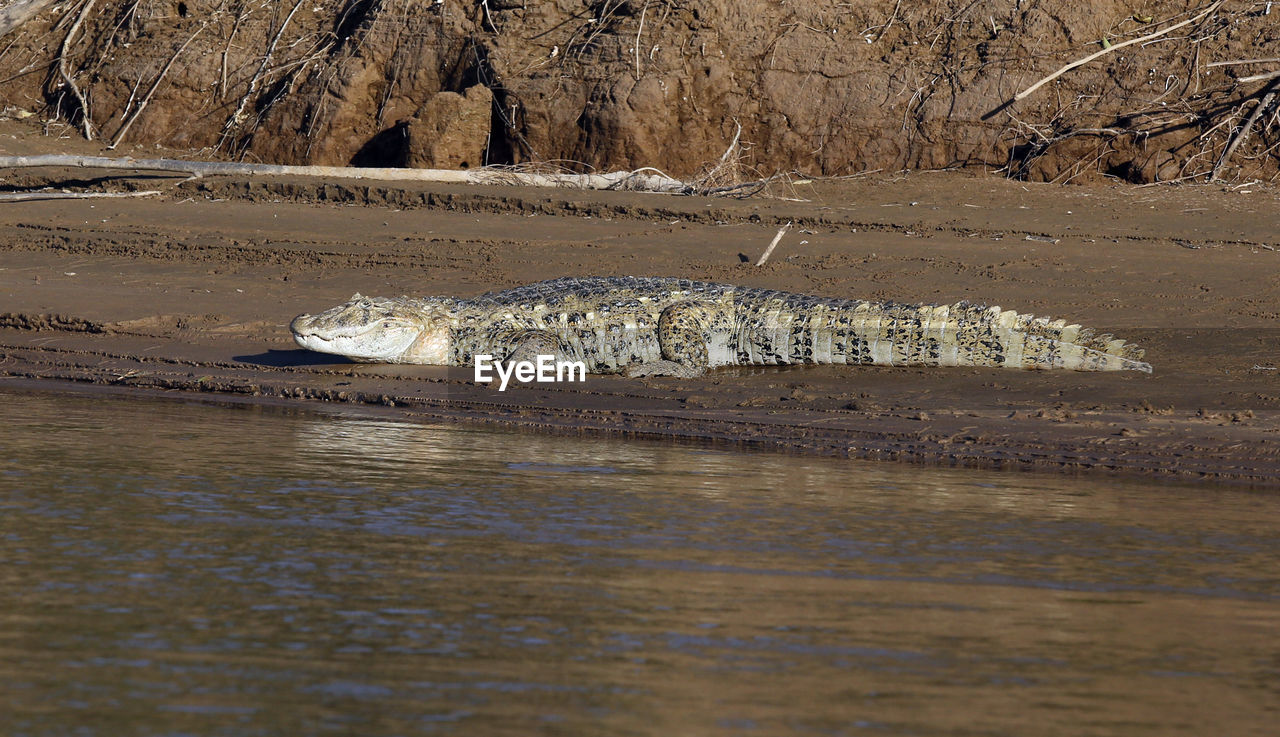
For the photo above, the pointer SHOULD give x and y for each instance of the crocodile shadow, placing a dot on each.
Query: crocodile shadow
(296, 357)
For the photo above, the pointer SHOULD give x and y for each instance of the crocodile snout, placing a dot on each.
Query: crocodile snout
(299, 324)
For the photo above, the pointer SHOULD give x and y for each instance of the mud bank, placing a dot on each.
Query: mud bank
(191, 294)
(827, 88)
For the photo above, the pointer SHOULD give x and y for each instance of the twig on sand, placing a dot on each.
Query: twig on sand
(755, 186)
(773, 244)
(25, 196)
(1115, 47)
(85, 121)
(1242, 133)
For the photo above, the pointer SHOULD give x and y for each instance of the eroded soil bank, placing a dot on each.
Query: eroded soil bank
(828, 88)
(191, 293)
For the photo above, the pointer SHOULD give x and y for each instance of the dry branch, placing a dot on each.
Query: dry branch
(1236, 62)
(1242, 133)
(727, 168)
(1258, 77)
(238, 116)
(154, 86)
(885, 28)
(85, 121)
(643, 10)
(755, 186)
(1115, 47)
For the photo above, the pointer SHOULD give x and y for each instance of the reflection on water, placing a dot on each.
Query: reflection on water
(174, 569)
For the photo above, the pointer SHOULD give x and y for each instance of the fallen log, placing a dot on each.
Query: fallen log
(30, 196)
(640, 180)
(18, 12)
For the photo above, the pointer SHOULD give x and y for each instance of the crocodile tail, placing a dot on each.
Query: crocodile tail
(1055, 344)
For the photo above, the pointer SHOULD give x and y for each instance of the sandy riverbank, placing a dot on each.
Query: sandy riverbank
(192, 292)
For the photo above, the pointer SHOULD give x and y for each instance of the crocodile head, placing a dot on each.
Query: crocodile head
(377, 330)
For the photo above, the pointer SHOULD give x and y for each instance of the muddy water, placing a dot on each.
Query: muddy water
(181, 569)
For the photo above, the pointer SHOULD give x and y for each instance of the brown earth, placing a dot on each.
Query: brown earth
(828, 88)
(190, 295)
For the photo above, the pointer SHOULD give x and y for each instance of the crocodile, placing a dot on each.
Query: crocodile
(662, 326)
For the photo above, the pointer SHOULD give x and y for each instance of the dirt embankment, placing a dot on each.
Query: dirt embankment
(822, 87)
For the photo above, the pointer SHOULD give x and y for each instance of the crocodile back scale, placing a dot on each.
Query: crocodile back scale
(680, 327)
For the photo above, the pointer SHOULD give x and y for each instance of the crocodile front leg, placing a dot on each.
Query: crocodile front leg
(682, 336)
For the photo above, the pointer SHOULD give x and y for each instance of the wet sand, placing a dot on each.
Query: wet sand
(191, 294)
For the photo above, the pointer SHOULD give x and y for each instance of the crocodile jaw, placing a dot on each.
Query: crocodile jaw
(373, 343)
(427, 347)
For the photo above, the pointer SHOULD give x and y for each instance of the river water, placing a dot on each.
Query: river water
(182, 569)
